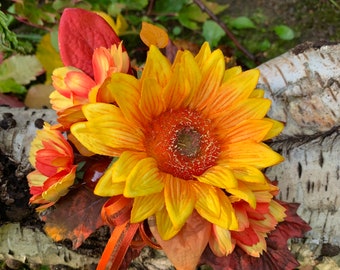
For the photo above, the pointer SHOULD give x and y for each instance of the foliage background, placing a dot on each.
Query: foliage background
(265, 29)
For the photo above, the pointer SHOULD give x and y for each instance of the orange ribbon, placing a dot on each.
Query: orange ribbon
(116, 211)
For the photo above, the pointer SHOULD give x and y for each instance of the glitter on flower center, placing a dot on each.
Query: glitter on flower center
(182, 142)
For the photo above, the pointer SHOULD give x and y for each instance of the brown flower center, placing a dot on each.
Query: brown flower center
(182, 142)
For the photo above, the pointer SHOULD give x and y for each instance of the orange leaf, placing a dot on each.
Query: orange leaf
(75, 217)
(153, 35)
(185, 248)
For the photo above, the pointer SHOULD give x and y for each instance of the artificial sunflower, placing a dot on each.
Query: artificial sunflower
(189, 137)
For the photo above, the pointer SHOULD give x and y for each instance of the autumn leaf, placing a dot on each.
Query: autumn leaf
(48, 56)
(10, 100)
(119, 26)
(277, 256)
(21, 68)
(75, 216)
(80, 32)
(153, 35)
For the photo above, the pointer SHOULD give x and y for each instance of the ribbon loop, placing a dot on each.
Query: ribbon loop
(116, 212)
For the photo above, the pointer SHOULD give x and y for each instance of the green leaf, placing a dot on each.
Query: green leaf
(284, 32)
(132, 4)
(242, 23)
(169, 6)
(21, 68)
(190, 15)
(35, 13)
(212, 32)
(11, 86)
(264, 45)
(8, 40)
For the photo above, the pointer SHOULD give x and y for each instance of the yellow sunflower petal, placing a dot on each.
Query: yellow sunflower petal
(178, 88)
(203, 54)
(179, 200)
(94, 111)
(146, 206)
(107, 132)
(124, 165)
(251, 154)
(81, 149)
(247, 173)
(251, 108)
(144, 179)
(233, 91)
(164, 225)
(124, 90)
(227, 209)
(251, 129)
(257, 93)
(218, 176)
(244, 193)
(106, 188)
(230, 73)
(210, 206)
(212, 74)
(157, 66)
(192, 72)
(275, 130)
(152, 102)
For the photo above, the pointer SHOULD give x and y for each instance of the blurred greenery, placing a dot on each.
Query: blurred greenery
(25, 25)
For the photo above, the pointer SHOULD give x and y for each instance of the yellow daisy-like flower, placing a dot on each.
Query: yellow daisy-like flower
(188, 136)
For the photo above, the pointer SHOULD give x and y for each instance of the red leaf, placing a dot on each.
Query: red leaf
(10, 101)
(80, 32)
(75, 216)
(277, 256)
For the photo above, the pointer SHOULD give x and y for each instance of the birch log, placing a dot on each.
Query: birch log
(304, 86)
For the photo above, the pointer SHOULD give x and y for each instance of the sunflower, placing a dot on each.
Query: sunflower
(52, 156)
(189, 137)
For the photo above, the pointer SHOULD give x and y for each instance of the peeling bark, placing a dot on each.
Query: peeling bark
(304, 86)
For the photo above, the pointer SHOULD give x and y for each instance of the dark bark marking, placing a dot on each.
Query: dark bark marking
(7, 122)
(321, 159)
(299, 168)
(39, 123)
(287, 193)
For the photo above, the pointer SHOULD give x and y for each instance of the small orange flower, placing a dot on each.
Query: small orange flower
(54, 173)
(73, 86)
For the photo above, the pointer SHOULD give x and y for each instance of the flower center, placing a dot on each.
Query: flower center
(188, 142)
(182, 142)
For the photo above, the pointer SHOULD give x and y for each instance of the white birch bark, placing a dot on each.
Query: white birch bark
(304, 86)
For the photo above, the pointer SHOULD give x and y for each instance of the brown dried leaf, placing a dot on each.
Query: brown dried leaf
(75, 216)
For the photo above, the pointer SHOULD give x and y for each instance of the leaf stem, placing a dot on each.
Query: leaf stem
(205, 9)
